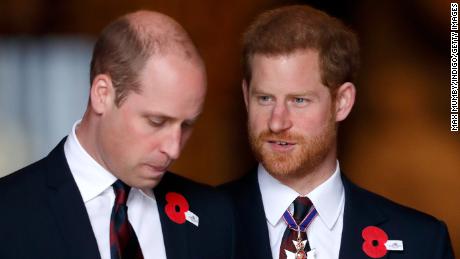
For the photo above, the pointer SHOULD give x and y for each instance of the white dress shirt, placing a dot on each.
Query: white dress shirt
(325, 232)
(95, 185)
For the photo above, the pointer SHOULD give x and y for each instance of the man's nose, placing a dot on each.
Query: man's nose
(279, 119)
(171, 144)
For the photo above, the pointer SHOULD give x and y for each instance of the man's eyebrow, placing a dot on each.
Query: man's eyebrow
(303, 93)
(255, 90)
(168, 117)
(156, 114)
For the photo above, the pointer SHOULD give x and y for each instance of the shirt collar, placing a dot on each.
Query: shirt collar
(276, 197)
(92, 179)
(328, 198)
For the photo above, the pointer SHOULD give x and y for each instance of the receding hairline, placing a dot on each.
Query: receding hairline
(126, 44)
(161, 34)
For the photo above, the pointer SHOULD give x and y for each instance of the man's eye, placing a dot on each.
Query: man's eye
(156, 123)
(299, 100)
(264, 99)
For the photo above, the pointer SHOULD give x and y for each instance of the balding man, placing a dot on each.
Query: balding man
(148, 85)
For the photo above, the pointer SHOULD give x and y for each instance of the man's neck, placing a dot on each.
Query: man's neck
(85, 133)
(306, 182)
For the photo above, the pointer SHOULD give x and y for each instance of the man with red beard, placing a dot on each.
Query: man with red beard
(300, 65)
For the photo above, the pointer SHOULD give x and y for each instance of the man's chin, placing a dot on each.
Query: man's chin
(149, 183)
(149, 179)
(280, 169)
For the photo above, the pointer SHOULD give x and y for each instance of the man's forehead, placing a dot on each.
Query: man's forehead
(284, 55)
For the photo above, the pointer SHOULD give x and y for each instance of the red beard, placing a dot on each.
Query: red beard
(308, 153)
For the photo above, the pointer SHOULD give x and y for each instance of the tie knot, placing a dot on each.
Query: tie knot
(121, 192)
(301, 207)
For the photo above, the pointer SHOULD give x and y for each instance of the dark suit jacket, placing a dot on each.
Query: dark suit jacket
(423, 236)
(42, 216)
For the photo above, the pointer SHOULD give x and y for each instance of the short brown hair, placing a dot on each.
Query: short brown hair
(119, 53)
(126, 44)
(288, 29)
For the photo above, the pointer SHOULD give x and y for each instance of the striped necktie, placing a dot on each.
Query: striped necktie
(123, 240)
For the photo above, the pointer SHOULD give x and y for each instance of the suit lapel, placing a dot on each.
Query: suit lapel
(68, 208)
(175, 235)
(359, 213)
(252, 223)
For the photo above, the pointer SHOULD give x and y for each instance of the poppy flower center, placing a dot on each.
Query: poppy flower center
(375, 243)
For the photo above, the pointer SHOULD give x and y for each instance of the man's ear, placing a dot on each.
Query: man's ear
(102, 93)
(245, 88)
(344, 100)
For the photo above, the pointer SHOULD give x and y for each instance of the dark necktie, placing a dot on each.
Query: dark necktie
(123, 239)
(301, 207)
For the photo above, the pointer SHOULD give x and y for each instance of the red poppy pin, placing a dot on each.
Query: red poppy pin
(177, 209)
(376, 243)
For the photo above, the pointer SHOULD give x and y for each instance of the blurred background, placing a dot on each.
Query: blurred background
(397, 141)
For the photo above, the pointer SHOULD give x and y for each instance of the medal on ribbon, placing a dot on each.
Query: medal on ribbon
(299, 244)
